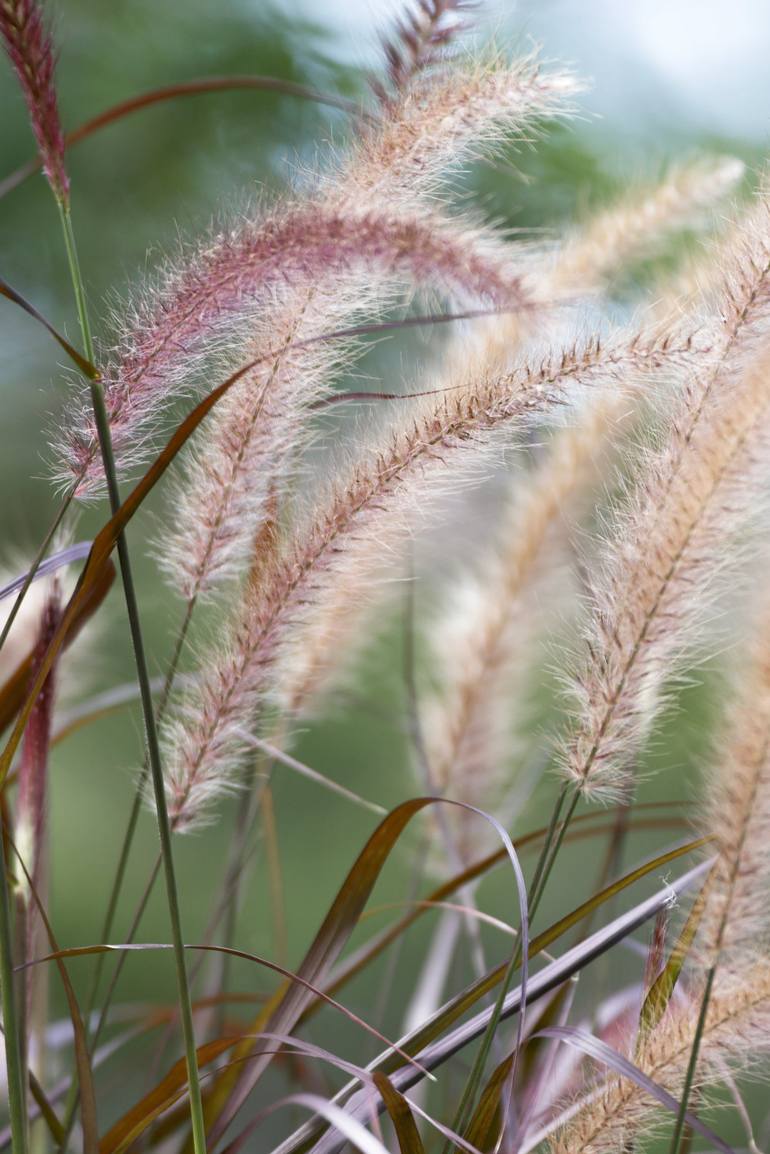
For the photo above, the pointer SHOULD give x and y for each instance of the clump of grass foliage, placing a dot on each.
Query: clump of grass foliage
(616, 471)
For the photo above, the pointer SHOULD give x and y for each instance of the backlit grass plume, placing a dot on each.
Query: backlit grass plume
(736, 1034)
(659, 567)
(224, 285)
(736, 813)
(31, 53)
(257, 433)
(483, 644)
(420, 35)
(458, 426)
(456, 115)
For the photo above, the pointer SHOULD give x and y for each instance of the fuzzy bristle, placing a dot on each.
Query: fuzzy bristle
(441, 123)
(421, 35)
(736, 815)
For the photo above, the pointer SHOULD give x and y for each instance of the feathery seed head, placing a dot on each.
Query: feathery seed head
(735, 920)
(440, 123)
(31, 54)
(421, 36)
(640, 222)
(736, 1034)
(236, 276)
(446, 436)
(659, 568)
(484, 641)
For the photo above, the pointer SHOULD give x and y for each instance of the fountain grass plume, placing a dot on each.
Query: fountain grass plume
(448, 436)
(736, 1033)
(31, 53)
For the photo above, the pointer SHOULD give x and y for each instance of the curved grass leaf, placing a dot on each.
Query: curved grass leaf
(590, 824)
(433, 1053)
(82, 1059)
(82, 362)
(144, 1112)
(407, 1134)
(76, 552)
(128, 1128)
(350, 1128)
(485, 1124)
(198, 87)
(333, 936)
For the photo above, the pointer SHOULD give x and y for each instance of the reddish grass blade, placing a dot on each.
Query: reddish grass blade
(371, 950)
(171, 1088)
(82, 362)
(334, 935)
(14, 692)
(434, 1047)
(82, 1060)
(120, 1136)
(199, 87)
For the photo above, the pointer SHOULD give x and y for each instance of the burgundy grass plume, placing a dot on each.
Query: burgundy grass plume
(30, 51)
(228, 283)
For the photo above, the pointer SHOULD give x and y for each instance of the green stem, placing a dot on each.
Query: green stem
(77, 281)
(136, 808)
(145, 691)
(553, 842)
(17, 1097)
(536, 893)
(676, 1137)
(117, 885)
(549, 836)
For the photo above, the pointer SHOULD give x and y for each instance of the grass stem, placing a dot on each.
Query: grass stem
(145, 690)
(676, 1137)
(17, 1096)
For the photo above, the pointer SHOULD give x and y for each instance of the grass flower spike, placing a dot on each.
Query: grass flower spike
(31, 53)
(553, 472)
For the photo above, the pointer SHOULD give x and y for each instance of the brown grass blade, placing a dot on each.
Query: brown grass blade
(82, 362)
(198, 87)
(409, 1140)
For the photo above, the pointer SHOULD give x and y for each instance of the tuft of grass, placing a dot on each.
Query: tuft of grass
(548, 480)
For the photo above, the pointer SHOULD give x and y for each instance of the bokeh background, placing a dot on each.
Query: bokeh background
(669, 79)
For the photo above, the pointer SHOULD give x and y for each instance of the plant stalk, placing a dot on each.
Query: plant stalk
(17, 1096)
(676, 1137)
(145, 690)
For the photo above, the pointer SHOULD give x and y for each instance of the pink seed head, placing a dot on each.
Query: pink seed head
(30, 51)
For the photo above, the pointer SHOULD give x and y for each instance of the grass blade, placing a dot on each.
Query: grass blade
(83, 363)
